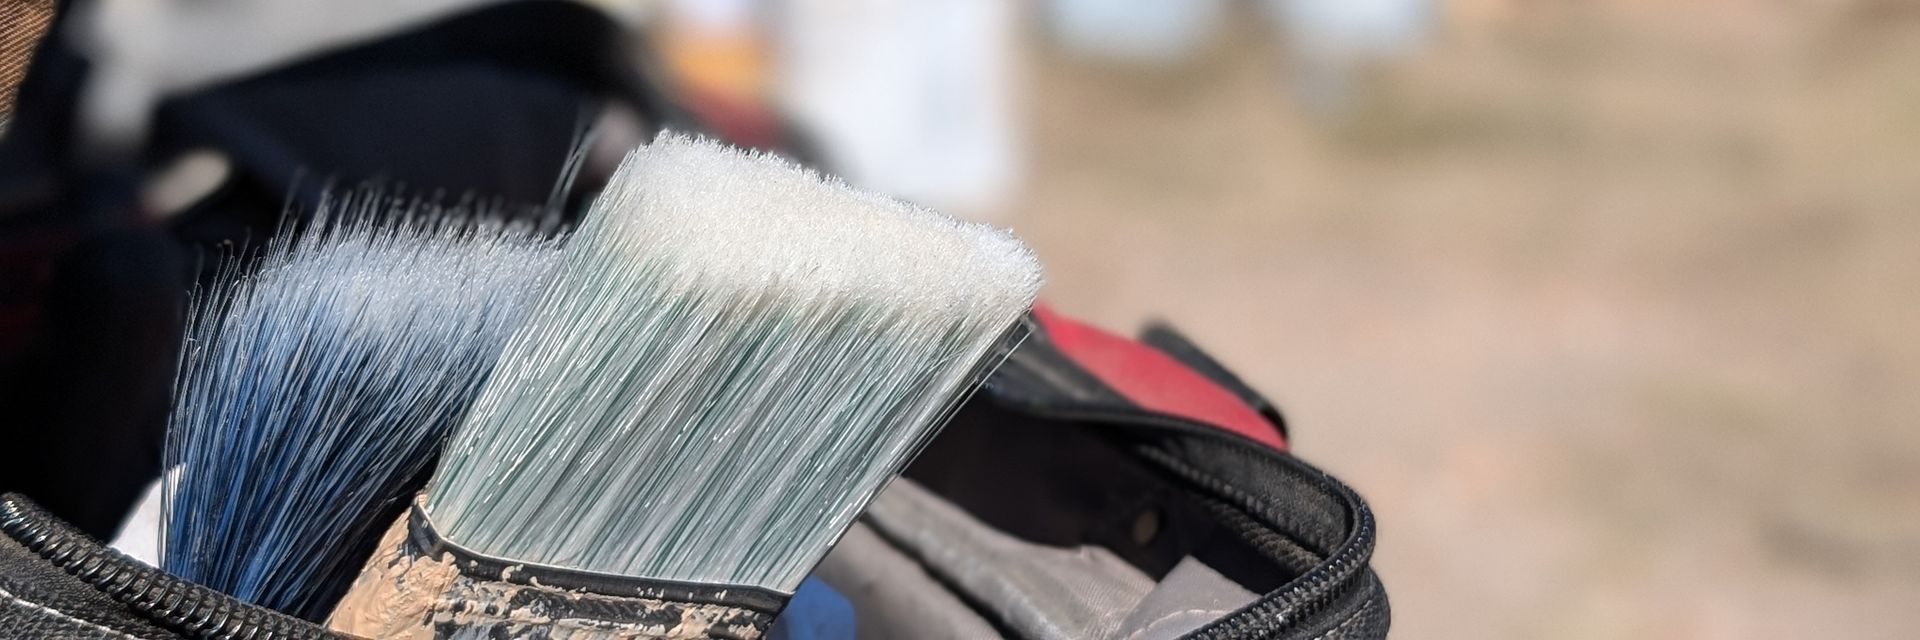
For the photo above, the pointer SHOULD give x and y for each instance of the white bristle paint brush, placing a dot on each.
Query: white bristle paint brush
(736, 356)
(314, 393)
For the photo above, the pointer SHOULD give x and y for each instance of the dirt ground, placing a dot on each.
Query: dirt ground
(1611, 313)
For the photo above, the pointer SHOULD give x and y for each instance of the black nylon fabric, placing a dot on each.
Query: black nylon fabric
(31, 620)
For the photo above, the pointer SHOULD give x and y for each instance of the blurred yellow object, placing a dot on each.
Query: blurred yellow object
(725, 58)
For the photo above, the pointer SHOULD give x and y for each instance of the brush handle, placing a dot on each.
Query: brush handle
(419, 586)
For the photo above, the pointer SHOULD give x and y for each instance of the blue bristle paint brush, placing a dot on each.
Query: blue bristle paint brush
(314, 393)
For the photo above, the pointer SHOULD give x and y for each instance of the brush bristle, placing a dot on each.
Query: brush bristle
(736, 357)
(315, 392)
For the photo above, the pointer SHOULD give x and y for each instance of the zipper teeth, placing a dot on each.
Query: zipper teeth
(1304, 596)
(168, 601)
(1313, 590)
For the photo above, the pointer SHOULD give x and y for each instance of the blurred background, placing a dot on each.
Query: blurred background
(1608, 307)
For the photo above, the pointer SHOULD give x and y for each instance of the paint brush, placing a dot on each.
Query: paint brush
(736, 356)
(314, 393)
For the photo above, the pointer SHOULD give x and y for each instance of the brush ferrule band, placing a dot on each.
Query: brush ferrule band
(424, 539)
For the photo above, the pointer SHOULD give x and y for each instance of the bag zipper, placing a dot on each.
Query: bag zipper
(166, 600)
(1300, 599)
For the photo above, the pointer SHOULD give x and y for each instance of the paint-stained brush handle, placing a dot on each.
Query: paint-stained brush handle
(418, 586)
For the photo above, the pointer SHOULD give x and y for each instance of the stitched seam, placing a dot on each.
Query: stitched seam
(61, 614)
(1212, 613)
(1366, 610)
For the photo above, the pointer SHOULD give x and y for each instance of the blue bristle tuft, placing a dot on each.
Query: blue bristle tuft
(314, 393)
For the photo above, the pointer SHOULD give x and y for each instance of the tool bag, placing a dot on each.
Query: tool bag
(1096, 487)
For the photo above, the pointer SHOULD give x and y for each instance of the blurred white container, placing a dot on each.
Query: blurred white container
(1329, 41)
(1141, 30)
(1354, 28)
(914, 98)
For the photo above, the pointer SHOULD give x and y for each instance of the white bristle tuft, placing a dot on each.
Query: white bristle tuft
(736, 357)
(312, 392)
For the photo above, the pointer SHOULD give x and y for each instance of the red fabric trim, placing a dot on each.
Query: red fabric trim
(1154, 380)
(737, 121)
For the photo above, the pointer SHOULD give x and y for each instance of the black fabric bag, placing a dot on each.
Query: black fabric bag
(1145, 456)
